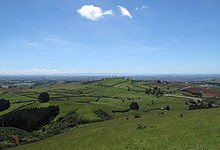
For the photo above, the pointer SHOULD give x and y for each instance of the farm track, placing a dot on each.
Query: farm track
(185, 97)
(25, 96)
(98, 97)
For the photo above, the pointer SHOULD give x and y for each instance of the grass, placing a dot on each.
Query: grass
(195, 130)
(14, 97)
(216, 87)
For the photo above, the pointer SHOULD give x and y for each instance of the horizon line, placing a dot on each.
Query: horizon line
(109, 74)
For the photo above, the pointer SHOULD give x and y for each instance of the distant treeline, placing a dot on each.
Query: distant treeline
(29, 119)
(155, 91)
(4, 104)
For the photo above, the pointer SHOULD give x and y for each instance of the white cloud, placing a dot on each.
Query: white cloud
(142, 7)
(125, 12)
(37, 71)
(92, 12)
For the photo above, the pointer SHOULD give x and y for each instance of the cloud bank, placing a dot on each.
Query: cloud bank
(92, 12)
(37, 71)
(28, 71)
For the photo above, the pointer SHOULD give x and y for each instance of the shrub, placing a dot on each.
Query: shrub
(4, 104)
(140, 127)
(11, 136)
(44, 97)
(134, 106)
(102, 114)
(161, 113)
(137, 116)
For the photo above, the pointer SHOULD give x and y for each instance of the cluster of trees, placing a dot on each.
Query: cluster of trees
(63, 123)
(12, 136)
(68, 121)
(29, 119)
(163, 82)
(4, 104)
(43, 97)
(155, 91)
(158, 81)
(199, 104)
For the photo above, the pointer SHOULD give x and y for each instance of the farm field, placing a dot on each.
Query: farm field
(195, 130)
(105, 120)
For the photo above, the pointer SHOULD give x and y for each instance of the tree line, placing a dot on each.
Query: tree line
(155, 91)
(29, 119)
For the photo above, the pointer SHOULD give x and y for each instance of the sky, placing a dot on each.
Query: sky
(110, 36)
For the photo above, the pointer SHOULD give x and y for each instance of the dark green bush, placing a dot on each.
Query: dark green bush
(168, 108)
(102, 114)
(9, 134)
(4, 104)
(137, 116)
(44, 97)
(134, 106)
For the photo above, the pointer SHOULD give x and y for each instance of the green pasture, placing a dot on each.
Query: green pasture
(193, 130)
(155, 129)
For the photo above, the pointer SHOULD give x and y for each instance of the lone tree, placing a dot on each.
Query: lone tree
(158, 81)
(168, 108)
(129, 89)
(44, 97)
(209, 105)
(134, 106)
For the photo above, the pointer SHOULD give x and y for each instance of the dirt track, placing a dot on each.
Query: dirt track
(181, 96)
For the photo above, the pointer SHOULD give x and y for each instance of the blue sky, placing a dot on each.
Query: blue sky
(109, 36)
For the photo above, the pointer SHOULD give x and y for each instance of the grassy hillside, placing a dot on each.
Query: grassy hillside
(196, 130)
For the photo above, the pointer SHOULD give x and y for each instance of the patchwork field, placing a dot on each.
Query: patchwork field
(101, 125)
